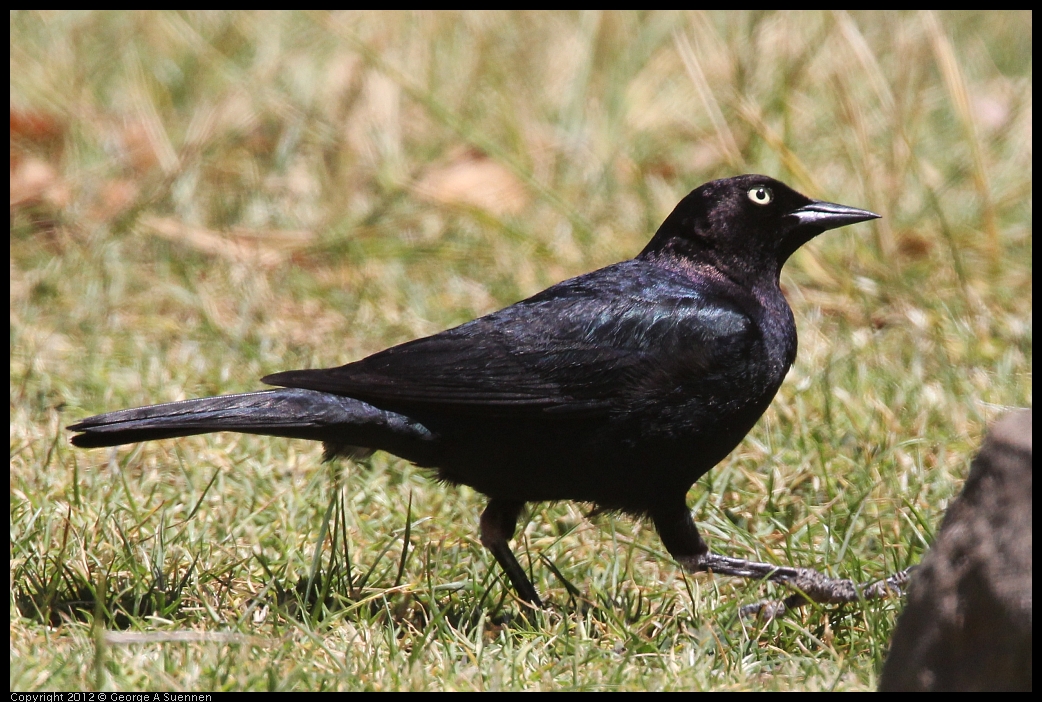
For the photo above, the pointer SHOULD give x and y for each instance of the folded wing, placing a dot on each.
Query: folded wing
(575, 347)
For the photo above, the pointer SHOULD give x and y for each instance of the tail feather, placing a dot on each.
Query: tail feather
(340, 422)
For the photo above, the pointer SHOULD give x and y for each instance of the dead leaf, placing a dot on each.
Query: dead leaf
(471, 178)
(264, 248)
(33, 180)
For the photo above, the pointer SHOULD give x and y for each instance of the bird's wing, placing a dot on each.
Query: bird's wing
(580, 346)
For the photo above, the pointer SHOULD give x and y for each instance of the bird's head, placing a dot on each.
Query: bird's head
(746, 225)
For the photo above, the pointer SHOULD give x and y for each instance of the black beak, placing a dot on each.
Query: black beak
(829, 215)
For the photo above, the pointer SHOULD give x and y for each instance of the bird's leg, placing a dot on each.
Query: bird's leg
(810, 585)
(498, 522)
(681, 538)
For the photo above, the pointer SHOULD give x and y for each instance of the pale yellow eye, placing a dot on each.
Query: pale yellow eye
(761, 195)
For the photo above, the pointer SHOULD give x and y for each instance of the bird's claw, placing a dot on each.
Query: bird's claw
(810, 585)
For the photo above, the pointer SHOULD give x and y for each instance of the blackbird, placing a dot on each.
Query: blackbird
(619, 388)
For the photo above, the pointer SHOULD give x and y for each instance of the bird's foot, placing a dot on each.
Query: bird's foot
(810, 585)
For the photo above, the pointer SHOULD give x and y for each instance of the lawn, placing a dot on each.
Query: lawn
(200, 199)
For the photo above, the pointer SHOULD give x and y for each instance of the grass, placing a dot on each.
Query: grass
(198, 199)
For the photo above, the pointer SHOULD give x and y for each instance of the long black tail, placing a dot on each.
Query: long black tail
(340, 422)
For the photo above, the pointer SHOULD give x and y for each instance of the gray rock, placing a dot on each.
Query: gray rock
(967, 625)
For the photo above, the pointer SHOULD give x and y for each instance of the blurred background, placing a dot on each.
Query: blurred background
(198, 199)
